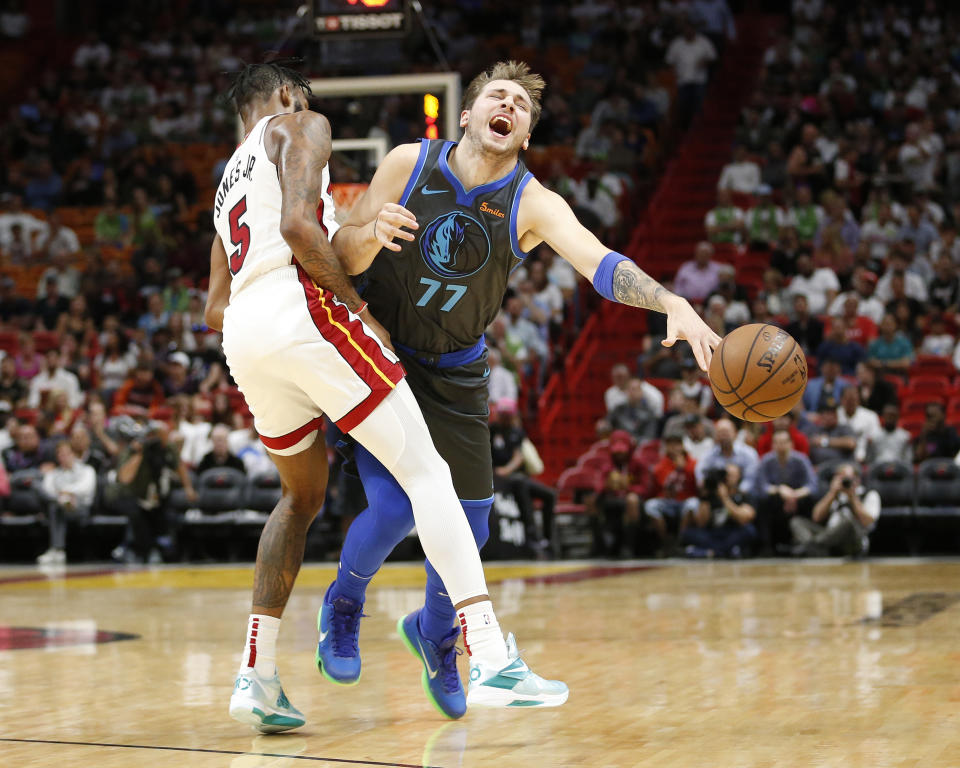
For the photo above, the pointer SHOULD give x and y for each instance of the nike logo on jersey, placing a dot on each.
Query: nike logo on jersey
(428, 191)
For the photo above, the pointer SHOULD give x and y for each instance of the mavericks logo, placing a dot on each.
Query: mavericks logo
(455, 245)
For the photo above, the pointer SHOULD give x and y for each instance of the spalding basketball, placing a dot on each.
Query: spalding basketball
(758, 372)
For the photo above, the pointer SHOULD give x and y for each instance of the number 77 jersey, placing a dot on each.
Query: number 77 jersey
(441, 291)
(246, 211)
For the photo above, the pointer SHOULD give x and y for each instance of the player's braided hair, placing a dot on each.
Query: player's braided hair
(261, 80)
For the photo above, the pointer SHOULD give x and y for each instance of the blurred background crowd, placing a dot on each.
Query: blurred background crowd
(835, 218)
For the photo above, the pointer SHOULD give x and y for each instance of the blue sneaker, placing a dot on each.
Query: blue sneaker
(440, 679)
(516, 685)
(338, 650)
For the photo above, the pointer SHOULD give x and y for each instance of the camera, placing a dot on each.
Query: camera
(712, 480)
(846, 483)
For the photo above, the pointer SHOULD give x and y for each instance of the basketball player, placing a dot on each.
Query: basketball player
(437, 234)
(299, 341)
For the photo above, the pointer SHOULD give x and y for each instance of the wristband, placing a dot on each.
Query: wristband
(603, 277)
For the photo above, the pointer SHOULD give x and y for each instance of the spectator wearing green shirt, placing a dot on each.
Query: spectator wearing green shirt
(805, 216)
(764, 220)
(724, 223)
(111, 227)
(891, 351)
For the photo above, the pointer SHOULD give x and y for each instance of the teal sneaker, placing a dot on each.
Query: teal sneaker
(440, 679)
(261, 703)
(338, 649)
(516, 685)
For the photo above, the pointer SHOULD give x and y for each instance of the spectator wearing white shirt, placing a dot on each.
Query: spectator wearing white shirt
(501, 383)
(740, 175)
(91, 51)
(546, 295)
(616, 393)
(69, 490)
(53, 377)
(820, 286)
(915, 287)
(919, 156)
(690, 55)
(716, 21)
(868, 305)
(29, 225)
(864, 423)
(891, 442)
(57, 240)
(880, 233)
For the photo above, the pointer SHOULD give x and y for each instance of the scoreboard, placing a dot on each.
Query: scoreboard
(342, 19)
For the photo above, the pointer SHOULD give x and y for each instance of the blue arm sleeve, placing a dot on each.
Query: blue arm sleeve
(603, 277)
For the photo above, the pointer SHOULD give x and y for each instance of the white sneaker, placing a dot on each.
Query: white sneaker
(516, 685)
(261, 703)
(52, 557)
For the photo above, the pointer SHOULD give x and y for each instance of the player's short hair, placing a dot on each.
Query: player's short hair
(261, 80)
(517, 71)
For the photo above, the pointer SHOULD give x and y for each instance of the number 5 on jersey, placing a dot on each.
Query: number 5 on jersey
(239, 235)
(433, 286)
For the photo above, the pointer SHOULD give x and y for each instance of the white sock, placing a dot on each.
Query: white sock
(481, 634)
(260, 652)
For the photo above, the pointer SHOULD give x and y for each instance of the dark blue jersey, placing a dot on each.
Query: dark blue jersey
(441, 291)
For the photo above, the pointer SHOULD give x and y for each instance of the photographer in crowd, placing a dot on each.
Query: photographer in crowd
(842, 519)
(722, 526)
(141, 487)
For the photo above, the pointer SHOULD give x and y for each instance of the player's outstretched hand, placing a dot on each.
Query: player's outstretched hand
(382, 333)
(390, 223)
(683, 322)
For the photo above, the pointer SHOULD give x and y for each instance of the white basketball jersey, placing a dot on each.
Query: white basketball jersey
(246, 212)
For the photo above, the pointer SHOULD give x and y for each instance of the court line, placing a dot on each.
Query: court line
(341, 760)
(28, 577)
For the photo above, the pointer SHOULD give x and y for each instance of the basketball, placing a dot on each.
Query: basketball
(758, 372)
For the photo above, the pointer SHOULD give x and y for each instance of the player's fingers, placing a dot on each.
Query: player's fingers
(707, 354)
(389, 245)
(397, 208)
(400, 220)
(698, 354)
(669, 341)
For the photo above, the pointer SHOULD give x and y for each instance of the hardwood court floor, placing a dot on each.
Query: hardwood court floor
(723, 665)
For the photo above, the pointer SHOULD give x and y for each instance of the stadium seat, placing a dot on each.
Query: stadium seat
(913, 424)
(929, 387)
(25, 500)
(932, 365)
(579, 480)
(938, 488)
(44, 340)
(177, 499)
(897, 485)
(595, 462)
(10, 342)
(915, 406)
(649, 452)
(264, 491)
(221, 489)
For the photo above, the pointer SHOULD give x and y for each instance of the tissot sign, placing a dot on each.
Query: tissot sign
(359, 18)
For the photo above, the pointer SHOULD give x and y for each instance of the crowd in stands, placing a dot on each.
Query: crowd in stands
(836, 219)
(105, 358)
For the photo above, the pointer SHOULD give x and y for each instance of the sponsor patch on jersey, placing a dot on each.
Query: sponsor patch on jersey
(484, 208)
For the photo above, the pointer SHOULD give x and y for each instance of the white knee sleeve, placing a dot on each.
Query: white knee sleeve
(396, 434)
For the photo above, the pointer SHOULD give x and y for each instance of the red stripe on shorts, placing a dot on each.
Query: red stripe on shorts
(292, 438)
(362, 353)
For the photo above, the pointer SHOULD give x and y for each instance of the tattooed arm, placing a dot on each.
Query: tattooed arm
(544, 216)
(299, 145)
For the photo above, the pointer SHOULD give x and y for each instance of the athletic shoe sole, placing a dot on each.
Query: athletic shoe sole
(487, 696)
(249, 713)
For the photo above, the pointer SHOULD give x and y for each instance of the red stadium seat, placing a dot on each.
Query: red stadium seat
(932, 365)
(578, 479)
(595, 462)
(929, 387)
(913, 424)
(9, 342)
(649, 452)
(914, 407)
(44, 340)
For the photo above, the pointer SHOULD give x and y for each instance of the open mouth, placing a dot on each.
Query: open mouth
(501, 125)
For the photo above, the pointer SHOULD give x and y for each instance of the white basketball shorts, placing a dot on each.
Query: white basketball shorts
(296, 353)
